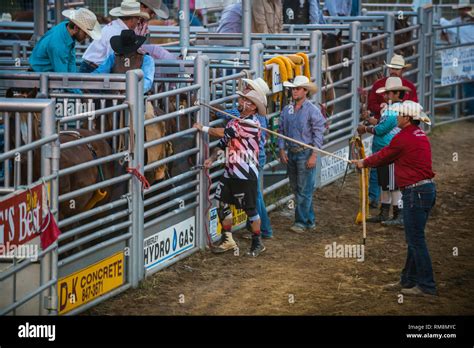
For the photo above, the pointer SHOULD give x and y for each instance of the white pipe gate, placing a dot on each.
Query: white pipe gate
(145, 231)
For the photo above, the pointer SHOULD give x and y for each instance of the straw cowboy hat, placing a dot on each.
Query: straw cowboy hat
(158, 7)
(302, 81)
(411, 109)
(256, 98)
(462, 4)
(129, 9)
(259, 85)
(393, 84)
(6, 17)
(397, 62)
(126, 42)
(86, 20)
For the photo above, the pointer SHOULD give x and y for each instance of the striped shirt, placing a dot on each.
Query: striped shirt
(241, 143)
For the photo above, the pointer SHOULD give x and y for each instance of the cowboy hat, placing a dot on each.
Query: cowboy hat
(302, 81)
(257, 99)
(259, 85)
(393, 84)
(462, 4)
(397, 62)
(6, 17)
(126, 42)
(158, 7)
(411, 109)
(129, 9)
(86, 20)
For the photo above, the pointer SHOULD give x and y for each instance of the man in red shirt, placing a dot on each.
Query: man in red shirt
(375, 104)
(396, 68)
(410, 150)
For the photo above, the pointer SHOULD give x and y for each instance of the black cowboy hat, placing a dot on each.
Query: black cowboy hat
(126, 42)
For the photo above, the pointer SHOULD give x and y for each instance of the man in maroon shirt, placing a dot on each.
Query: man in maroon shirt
(396, 68)
(410, 150)
(376, 102)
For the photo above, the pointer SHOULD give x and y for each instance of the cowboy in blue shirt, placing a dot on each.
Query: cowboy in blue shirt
(56, 51)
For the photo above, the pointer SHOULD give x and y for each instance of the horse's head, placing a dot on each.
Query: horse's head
(331, 40)
(13, 92)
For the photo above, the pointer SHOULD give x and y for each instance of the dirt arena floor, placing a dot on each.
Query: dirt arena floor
(293, 277)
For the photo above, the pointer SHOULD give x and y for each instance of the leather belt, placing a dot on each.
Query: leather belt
(94, 65)
(419, 183)
(296, 149)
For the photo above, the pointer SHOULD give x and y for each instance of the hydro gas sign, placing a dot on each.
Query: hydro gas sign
(169, 243)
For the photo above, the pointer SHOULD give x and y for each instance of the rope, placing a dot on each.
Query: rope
(277, 134)
(135, 171)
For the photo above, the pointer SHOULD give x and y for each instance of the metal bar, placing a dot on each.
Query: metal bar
(94, 114)
(170, 214)
(172, 202)
(94, 249)
(183, 25)
(171, 181)
(93, 163)
(92, 212)
(92, 138)
(101, 233)
(171, 192)
(28, 147)
(246, 23)
(67, 196)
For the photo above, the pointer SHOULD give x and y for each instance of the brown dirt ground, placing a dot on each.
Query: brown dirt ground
(294, 265)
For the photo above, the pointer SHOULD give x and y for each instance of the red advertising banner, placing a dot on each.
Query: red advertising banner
(21, 215)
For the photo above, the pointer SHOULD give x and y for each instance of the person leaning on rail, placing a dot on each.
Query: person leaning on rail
(376, 103)
(56, 51)
(410, 150)
(239, 185)
(128, 15)
(260, 86)
(302, 121)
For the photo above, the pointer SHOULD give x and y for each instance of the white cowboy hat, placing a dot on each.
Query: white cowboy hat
(397, 62)
(256, 98)
(129, 9)
(393, 84)
(86, 20)
(462, 4)
(6, 17)
(411, 109)
(158, 7)
(302, 81)
(259, 85)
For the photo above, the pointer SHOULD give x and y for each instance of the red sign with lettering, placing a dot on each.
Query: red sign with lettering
(21, 216)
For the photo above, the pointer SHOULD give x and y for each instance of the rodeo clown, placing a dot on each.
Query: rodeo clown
(410, 150)
(239, 186)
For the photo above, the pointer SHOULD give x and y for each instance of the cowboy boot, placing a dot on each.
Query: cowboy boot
(383, 215)
(396, 220)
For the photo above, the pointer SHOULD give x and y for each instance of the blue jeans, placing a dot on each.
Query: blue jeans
(265, 227)
(374, 188)
(417, 204)
(302, 182)
(468, 91)
(86, 68)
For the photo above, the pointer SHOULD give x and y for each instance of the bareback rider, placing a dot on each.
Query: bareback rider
(410, 150)
(127, 57)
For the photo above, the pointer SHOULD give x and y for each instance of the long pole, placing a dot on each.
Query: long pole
(280, 135)
(364, 225)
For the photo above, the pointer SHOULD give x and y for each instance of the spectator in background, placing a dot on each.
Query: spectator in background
(267, 16)
(464, 36)
(302, 12)
(128, 15)
(231, 19)
(338, 7)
